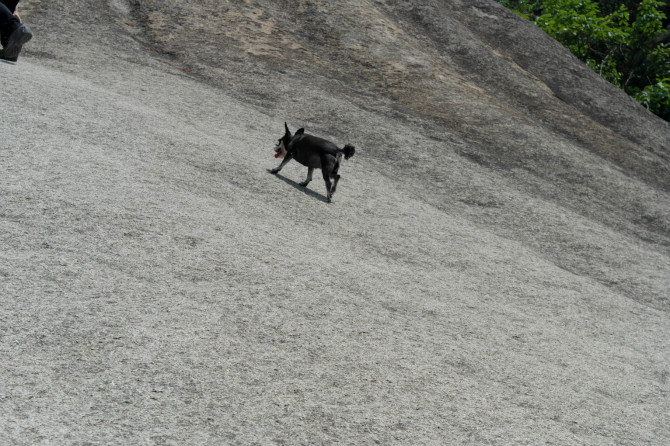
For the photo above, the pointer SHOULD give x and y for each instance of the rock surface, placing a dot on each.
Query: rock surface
(494, 269)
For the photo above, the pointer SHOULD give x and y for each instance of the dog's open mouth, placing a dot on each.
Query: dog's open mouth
(280, 152)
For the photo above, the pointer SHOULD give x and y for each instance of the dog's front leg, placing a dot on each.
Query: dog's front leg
(286, 159)
(310, 171)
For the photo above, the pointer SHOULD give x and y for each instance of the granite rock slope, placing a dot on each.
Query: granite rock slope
(494, 268)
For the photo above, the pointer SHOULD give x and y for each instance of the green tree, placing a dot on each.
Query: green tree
(631, 49)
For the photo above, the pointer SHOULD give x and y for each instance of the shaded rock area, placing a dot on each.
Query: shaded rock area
(494, 268)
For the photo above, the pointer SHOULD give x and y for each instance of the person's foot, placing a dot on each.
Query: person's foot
(16, 40)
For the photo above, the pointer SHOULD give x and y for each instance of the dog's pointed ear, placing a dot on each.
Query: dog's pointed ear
(300, 131)
(287, 130)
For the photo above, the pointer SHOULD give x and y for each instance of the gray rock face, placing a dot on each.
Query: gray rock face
(494, 268)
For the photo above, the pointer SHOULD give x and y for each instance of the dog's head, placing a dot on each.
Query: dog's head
(281, 147)
(282, 144)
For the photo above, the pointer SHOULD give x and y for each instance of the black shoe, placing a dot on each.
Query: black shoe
(16, 40)
(2, 57)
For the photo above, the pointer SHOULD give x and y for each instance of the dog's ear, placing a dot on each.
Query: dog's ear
(287, 130)
(300, 131)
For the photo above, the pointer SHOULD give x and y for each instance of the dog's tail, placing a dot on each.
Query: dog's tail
(348, 151)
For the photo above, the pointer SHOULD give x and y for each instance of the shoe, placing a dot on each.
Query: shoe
(2, 57)
(16, 40)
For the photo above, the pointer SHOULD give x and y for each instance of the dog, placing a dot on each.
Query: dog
(315, 153)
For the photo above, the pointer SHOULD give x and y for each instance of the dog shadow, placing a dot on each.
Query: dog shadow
(304, 189)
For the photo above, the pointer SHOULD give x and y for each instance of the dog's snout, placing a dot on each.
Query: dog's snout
(279, 150)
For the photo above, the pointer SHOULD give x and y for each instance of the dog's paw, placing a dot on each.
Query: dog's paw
(304, 183)
(273, 171)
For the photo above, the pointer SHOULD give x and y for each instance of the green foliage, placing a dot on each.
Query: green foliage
(656, 98)
(628, 48)
(526, 9)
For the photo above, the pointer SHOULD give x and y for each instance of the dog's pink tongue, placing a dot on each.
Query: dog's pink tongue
(276, 155)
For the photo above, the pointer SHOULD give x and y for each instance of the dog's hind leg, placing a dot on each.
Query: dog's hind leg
(310, 171)
(329, 185)
(334, 175)
(336, 179)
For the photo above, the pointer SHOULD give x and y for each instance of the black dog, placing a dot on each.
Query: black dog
(315, 153)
